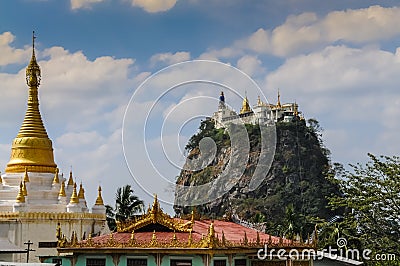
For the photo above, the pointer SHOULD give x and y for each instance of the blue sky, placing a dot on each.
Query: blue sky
(338, 59)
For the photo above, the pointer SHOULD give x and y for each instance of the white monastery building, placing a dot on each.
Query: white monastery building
(261, 113)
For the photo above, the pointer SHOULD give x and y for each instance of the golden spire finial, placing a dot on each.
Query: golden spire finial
(81, 194)
(74, 196)
(70, 180)
(56, 180)
(133, 235)
(192, 218)
(26, 177)
(190, 238)
(212, 230)
(223, 239)
(99, 200)
(245, 105)
(20, 196)
(278, 104)
(62, 190)
(155, 203)
(32, 147)
(24, 190)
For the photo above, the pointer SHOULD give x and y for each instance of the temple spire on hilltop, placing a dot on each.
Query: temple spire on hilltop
(278, 104)
(32, 148)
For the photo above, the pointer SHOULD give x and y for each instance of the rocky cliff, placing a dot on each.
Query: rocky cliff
(295, 183)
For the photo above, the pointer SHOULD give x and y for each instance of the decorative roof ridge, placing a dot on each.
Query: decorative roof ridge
(155, 215)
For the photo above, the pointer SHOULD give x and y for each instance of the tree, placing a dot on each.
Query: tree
(372, 200)
(127, 205)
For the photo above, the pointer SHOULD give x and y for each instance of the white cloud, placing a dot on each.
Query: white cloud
(10, 55)
(307, 32)
(169, 58)
(361, 25)
(215, 54)
(82, 139)
(76, 4)
(70, 81)
(250, 65)
(154, 6)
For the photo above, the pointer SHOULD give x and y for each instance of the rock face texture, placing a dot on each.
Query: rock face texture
(296, 178)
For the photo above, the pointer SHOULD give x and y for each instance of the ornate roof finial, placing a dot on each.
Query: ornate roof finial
(99, 200)
(56, 180)
(74, 196)
(192, 218)
(211, 231)
(155, 205)
(33, 70)
(33, 40)
(62, 190)
(81, 194)
(245, 240)
(70, 180)
(278, 104)
(20, 196)
(24, 189)
(26, 177)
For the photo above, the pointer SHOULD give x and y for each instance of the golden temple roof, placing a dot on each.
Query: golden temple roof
(32, 148)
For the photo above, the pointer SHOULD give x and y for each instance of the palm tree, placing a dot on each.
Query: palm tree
(126, 206)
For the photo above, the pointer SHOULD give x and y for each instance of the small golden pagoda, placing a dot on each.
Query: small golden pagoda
(32, 149)
(245, 106)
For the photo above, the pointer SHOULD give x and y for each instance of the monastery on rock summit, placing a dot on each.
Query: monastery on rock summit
(34, 196)
(261, 113)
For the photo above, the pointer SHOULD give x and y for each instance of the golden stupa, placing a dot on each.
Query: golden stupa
(32, 149)
(245, 106)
